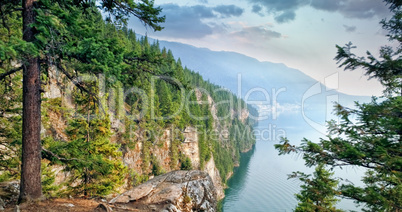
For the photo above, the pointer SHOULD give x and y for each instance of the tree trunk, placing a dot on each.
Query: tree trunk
(30, 187)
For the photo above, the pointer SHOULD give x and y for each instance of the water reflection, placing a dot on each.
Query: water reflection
(261, 184)
(237, 182)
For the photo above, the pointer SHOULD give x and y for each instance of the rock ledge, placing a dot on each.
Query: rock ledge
(175, 191)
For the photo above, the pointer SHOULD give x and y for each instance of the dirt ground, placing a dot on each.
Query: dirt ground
(58, 205)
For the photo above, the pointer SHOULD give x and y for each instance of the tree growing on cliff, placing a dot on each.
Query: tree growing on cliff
(369, 136)
(88, 155)
(186, 164)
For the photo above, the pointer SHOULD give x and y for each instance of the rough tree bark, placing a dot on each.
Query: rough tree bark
(30, 187)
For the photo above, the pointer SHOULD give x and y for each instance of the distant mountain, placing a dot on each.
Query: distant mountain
(282, 91)
(223, 68)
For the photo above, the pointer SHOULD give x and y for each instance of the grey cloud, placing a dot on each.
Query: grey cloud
(198, 10)
(280, 5)
(285, 17)
(349, 28)
(285, 10)
(185, 22)
(229, 10)
(353, 8)
(326, 5)
(256, 8)
(257, 33)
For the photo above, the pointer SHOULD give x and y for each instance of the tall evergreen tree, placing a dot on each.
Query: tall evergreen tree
(34, 43)
(165, 99)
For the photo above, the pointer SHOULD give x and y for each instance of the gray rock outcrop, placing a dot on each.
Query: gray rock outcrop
(175, 191)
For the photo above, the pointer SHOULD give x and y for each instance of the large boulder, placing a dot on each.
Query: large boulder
(175, 191)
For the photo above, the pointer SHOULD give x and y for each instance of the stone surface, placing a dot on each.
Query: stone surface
(175, 191)
(213, 172)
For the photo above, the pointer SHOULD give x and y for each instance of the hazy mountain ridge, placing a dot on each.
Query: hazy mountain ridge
(226, 68)
(284, 96)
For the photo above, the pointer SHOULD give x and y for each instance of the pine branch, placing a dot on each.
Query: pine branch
(58, 157)
(12, 71)
(78, 84)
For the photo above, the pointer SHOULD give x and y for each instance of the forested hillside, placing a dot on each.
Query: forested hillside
(105, 92)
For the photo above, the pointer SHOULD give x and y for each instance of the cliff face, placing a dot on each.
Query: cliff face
(213, 172)
(162, 151)
(133, 157)
(189, 147)
(174, 191)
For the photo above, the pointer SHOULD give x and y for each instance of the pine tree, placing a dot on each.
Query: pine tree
(92, 160)
(42, 22)
(165, 100)
(317, 192)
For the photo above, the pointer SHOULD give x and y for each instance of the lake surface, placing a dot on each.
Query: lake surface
(260, 182)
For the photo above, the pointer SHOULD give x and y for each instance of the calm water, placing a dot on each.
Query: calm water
(261, 184)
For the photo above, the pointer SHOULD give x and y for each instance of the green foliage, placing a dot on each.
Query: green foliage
(89, 156)
(204, 148)
(317, 192)
(186, 164)
(156, 167)
(223, 159)
(174, 149)
(186, 199)
(136, 179)
(10, 127)
(49, 188)
(144, 10)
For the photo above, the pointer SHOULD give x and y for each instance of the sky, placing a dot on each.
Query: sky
(301, 34)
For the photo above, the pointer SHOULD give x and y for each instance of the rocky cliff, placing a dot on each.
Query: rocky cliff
(133, 157)
(174, 191)
(189, 147)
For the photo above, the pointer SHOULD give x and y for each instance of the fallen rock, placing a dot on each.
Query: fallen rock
(175, 191)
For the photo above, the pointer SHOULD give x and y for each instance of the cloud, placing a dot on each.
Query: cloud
(203, 1)
(195, 21)
(186, 21)
(285, 10)
(280, 5)
(349, 28)
(255, 34)
(285, 17)
(228, 10)
(326, 5)
(257, 9)
(353, 8)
